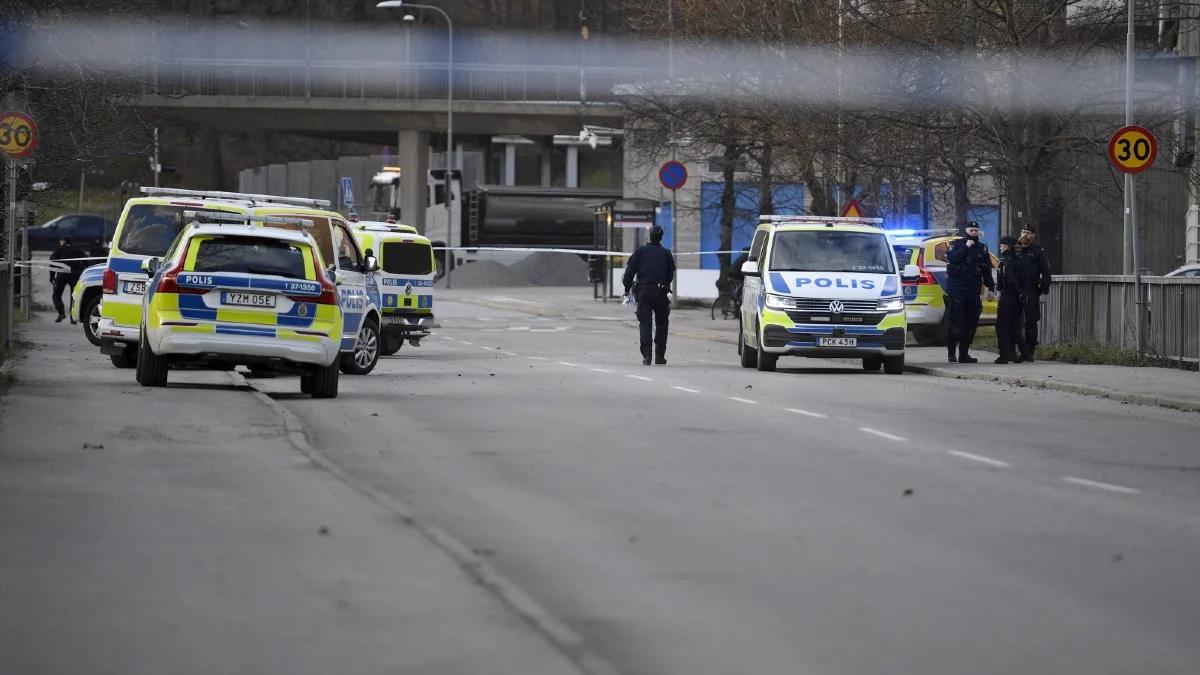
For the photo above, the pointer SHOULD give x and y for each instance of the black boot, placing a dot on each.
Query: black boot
(1003, 358)
(950, 354)
(964, 357)
(660, 360)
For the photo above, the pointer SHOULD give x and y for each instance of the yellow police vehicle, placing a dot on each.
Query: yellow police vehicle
(822, 287)
(148, 225)
(230, 293)
(406, 277)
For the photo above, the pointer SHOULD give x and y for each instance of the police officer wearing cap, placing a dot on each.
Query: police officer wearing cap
(653, 267)
(969, 269)
(1037, 270)
(1012, 282)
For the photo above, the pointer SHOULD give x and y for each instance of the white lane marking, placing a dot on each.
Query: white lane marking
(487, 349)
(1103, 486)
(600, 370)
(980, 458)
(518, 328)
(741, 400)
(639, 377)
(567, 364)
(687, 389)
(597, 332)
(806, 413)
(882, 434)
(491, 330)
(536, 358)
(510, 353)
(467, 343)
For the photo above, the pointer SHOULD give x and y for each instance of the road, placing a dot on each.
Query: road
(700, 518)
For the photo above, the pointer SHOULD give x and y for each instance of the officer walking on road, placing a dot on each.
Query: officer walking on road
(1009, 315)
(67, 279)
(654, 268)
(1037, 271)
(968, 271)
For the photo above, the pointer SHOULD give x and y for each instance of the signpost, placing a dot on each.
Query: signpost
(347, 193)
(1132, 149)
(673, 175)
(18, 139)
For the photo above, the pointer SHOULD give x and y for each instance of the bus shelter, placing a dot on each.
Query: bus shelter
(612, 218)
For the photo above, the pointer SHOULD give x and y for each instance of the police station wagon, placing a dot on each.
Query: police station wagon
(822, 288)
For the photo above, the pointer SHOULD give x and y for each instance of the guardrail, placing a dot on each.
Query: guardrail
(388, 80)
(1101, 310)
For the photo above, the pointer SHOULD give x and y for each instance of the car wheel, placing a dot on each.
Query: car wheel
(766, 362)
(306, 384)
(366, 351)
(151, 368)
(747, 355)
(90, 315)
(323, 383)
(893, 365)
(391, 345)
(872, 363)
(127, 358)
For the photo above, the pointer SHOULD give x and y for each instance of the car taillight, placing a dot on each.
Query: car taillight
(169, 281)
(108, 283)
(329, 294)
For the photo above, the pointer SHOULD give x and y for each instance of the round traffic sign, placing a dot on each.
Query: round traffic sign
(673, 175)
(18, 134)
(1132, 149)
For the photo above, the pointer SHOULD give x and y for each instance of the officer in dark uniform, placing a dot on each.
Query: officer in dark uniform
(1033, 260)
(654, 268)
(1011, 284)
(969, 269)
(65, 251)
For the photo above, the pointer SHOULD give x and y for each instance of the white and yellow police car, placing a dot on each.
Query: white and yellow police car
(239, 294)
(149, 224)
(822, 288)
(406, 276)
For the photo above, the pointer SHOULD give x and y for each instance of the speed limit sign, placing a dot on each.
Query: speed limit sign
(18, 134)
(1132, 149)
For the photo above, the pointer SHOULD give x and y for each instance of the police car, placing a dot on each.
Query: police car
(406, 276)
(227, 294)
(148, 225)
(85, 301)
(822, 288)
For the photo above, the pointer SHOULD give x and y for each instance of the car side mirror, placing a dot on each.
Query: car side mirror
(338, 279)
(750, 268)
(910, 273)
(150, 265)
(372, 263)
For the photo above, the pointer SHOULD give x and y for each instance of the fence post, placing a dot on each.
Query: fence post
(1182, 324)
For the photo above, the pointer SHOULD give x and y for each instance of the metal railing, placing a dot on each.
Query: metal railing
(388, 80)
(1100, 309)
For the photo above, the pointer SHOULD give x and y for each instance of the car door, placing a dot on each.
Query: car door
(752, 286)
(352, 283)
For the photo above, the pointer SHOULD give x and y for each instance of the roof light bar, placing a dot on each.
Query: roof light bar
(820, 219)
(236, 196)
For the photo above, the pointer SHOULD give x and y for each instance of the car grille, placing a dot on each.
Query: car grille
(854, 318)
(821, 306)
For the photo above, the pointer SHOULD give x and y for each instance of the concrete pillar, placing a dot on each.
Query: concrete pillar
(510, 164)
(412, 156)
(547, 154)
(572, 166)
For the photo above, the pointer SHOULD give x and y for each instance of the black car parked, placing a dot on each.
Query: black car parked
(86, 230)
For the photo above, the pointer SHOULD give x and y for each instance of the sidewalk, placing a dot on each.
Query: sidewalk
(1161, 387)
(177, 530)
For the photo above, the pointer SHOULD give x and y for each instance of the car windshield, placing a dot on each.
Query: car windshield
(831, 251)
(150, 228)
(406, 258)
(251, 255)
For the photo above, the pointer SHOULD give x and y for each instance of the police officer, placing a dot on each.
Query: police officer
(65, 251)
(654, 268)
(969, 269)
(1011, 283)
(1037, 267)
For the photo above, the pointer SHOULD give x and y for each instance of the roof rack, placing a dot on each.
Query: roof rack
(236, 196)
(218, 218)
(820, 219)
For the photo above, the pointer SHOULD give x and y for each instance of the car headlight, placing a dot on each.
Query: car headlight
(890, 305)
(780, 301)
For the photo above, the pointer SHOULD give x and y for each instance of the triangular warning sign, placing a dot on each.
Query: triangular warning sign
(852, 209)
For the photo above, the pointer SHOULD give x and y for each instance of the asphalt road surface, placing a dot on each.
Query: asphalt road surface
(696, 518)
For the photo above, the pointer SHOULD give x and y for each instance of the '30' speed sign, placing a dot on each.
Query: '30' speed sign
(1132, 149)
(18, 134)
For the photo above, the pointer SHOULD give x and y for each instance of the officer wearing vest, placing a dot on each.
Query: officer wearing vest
(654, 268)
(969, 269)
(1037, 270)
(1012, 283)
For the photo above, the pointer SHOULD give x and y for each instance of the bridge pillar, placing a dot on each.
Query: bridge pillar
(412, 154)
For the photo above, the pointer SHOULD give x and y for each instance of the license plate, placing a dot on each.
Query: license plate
(248, 299)
(837, 342)
(394, 320)
(133, 287)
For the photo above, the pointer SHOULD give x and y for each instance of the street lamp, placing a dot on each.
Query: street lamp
(399, 4)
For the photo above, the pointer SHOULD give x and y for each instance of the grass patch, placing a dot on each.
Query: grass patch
(1089, 353)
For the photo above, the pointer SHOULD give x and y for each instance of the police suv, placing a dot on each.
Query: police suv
(822, 288)
(147, 227)
(230, 293)
(406, 276)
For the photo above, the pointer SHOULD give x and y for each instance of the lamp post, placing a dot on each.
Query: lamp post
(400, 4)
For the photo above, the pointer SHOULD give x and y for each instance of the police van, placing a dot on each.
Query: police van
(822, 288)
(148, 226)
(406, 276)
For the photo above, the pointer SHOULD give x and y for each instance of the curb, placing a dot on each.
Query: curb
(1069, 387)
(554, 630)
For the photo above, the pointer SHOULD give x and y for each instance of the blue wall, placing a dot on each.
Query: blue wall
(788, 197)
